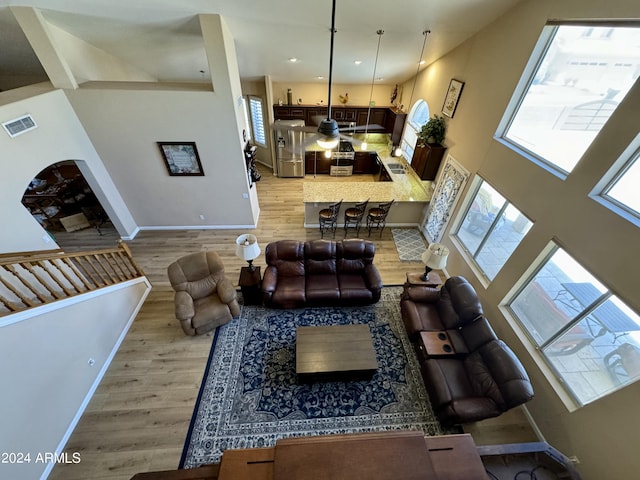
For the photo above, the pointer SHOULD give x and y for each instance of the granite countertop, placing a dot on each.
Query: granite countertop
(403, 187)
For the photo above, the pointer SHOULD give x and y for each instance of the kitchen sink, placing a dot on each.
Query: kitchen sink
(398, 171)
(393, 166)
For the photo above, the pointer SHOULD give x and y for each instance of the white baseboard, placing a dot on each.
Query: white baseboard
(196, 227)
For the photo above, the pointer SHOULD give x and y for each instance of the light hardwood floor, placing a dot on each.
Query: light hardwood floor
(138, 418)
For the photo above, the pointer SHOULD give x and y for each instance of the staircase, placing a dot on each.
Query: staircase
(31, 279)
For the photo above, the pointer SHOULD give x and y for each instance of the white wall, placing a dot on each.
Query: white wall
(124, 126)
(604, 435)
(124, 122)
(89, 63)
(59, 136)
(50, 365)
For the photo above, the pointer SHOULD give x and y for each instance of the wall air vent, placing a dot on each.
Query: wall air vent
(19, 126)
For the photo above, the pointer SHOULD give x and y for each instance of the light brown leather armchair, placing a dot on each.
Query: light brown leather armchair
(205, 298)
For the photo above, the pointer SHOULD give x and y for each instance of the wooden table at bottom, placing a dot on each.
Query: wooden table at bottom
(406, 455)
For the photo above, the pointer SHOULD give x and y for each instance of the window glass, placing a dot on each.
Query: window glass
(583, 75)
(491, 230)
(418, 116)
(624, 189)
(257, 120)
(588, 336)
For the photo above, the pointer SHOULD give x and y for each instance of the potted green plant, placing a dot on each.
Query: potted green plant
(433, 131)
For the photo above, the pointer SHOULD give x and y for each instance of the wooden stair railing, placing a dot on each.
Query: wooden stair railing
(30, 279)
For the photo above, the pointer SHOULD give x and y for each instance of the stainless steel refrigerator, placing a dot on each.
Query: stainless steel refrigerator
(289, 148)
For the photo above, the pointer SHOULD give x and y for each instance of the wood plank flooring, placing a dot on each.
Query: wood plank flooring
(138, 418)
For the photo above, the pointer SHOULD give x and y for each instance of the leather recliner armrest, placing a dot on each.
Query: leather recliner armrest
(420, 293)
(372, 277)
(270, 280)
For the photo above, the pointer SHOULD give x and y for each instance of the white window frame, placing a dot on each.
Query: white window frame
(412, 129)
(618, 170)
(470, 257)
(258, 130)
(535, 61)
(247, 124)
(558, 383)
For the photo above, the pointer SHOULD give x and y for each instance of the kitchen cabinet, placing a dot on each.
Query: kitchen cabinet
(377, 118)
(289, 113)
(344, 114)
(366, 163)
(313, 116)
(426, 160)
(395, 124)
(381, 119)
(315, 161)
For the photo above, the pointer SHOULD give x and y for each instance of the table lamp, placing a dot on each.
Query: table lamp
(247, 248)
(434, 258)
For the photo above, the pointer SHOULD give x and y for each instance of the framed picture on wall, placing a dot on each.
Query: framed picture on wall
(452, 97)
(181, 158)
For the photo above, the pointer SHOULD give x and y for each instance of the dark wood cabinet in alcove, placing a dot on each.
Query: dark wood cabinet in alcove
(426, 160)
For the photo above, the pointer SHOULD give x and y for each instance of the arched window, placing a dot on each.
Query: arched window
(418, 116)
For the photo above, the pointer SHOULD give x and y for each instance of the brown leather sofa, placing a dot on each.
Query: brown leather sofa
(320, 272)
(481, 377)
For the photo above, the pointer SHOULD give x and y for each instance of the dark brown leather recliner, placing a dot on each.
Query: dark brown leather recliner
(320, 272)
(483, 378)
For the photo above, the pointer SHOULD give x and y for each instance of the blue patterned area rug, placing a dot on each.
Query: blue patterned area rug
(409, 244)
(250, 396)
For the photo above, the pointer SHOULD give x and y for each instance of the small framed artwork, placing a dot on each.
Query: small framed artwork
(453, 95)
(181, 158)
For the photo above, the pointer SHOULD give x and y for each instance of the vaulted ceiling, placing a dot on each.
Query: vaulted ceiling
(163, 37)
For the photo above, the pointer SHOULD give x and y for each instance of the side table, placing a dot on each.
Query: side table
(250, 282)
(415, 278)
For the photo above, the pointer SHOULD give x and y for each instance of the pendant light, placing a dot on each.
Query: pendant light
(363, 146)
(398, 151)
(329, 135)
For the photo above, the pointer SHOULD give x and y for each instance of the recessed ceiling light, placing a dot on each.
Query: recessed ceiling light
(357, 62)
(422, 62)
(379, 79)
(293, 60)
(320, 77)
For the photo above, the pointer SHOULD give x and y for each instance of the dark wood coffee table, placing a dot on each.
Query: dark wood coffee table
(335, 353)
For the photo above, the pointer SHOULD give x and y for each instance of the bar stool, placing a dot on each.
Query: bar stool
(377, 216)
(353, 217)
(328, 218)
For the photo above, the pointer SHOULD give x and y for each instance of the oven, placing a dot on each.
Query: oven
(342, 159)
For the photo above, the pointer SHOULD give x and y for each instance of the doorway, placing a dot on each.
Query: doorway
(63, 203)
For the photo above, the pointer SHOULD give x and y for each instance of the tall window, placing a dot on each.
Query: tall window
(257, 120)
(588, 336)
(624, 189)
(574, 82)
(491, 230)
(417, 117)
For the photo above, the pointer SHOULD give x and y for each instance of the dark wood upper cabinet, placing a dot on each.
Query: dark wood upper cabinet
(381, 119)
(395, 124)
(426, 160)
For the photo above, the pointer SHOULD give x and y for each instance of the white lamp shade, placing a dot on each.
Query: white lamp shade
(247, 247)
(435, 257)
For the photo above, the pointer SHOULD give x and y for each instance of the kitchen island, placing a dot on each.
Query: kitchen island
(411, 195)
